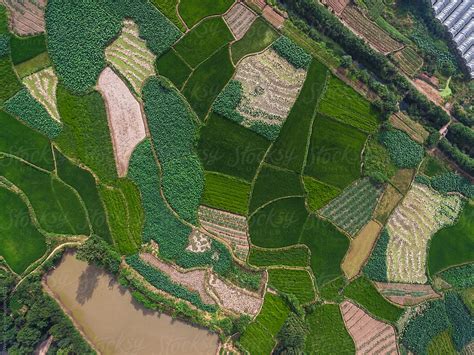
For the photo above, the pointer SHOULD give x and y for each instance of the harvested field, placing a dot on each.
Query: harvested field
(387, 203)
(406, 294)
(408, 60)
(337, 6)
(229, 227)
(369, 31)
(130, 56)
(431, 93)
(26, 16)
(194, 280)
(239, 19)
(198, 242)
(360, 248)
(42, 86)
(354, 207)
(273, 17)
(415, 130)
(270, 87)
(124, 116)
(234, 298)
(422, 213)
(370, 335)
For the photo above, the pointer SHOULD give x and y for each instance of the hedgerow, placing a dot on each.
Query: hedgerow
(460, 318)
(162, 282)
(293, 53)
(173, 134)
(420, 330)
(452, 182)
(403, 151)
(460, 276)
(376, 267)
(30, 111)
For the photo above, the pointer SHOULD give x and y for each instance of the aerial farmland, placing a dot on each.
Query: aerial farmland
(236, 177)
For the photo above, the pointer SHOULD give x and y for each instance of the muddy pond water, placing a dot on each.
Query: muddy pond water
(113, 322)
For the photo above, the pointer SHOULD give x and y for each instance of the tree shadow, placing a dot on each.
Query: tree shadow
(87, 283)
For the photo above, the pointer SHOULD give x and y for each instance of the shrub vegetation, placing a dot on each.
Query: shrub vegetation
(404, 152)
(294, 54)
(376, 266)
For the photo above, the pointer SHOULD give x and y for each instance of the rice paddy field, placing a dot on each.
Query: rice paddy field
(230, 165)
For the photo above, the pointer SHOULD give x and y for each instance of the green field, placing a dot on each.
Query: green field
(290, 148)
(295, 282)
(272, 183)
(168, 8)
(260, 337)
(203, 40)
(207, 81)
(85, 135)
(9, 84)
(327, 332)
(192, 11)
(173, 67)
(57, 208)
(258, 37)
(84, 183)
(279, 223)
(25, 143)
(318, 193)
(334, 152)
(33, 65)
(332, 291)
(328, 247)
(296, 256)
(26, 48)
(453, 245)
(441, 344)
(344, 104)
(226, 193)
(364, 293)
(228, 148)
(20, 242)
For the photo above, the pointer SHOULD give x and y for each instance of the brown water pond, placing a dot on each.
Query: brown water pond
(113, 322)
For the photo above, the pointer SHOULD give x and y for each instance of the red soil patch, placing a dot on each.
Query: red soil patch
(429, 91)
(406, 294)
(370, 335)
(26, 16)
(273, 17)
(125, 118)
(337, 6)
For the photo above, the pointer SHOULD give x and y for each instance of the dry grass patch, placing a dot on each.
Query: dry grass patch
(124, 116)
(229, 227)
(406, 294)
(415, 130)
(360, 248)
(421, 214)
(402, 180)
(42, 86)
(387, 203)
(26, 16)
(270, 87)
(370, 336)
(239, 19)
(131, 57)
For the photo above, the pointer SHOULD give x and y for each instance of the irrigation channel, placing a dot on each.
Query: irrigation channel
(113, 322)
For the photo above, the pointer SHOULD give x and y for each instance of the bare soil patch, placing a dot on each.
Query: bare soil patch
(429, 91)
(273, 17)
(239, 19)
(125, 118)
(337, 6)
(406, 294)
(26, 16)
(370, 335)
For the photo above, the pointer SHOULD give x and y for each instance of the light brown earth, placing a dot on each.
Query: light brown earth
(199, 242)
(239, 19)
(124, 116)
(370, 335)
(26, 16)
(360, 248)
(429, 91)
(402, 179)
(273, 17)
(406, 294)
(194, 280)
(337, 6)
(387, 203)
(415, 130)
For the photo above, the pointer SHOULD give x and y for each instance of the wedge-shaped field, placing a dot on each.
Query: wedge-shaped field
(42, 86)
(369, 31)
(239, 19)
(20, 242)
(406, 294)
(318, 194)
(414, 129)
(131, 57)
(354, 207)
(270, 87)
(124, 114)
(360, 248)
(346, 105)
(234, 298)
(27, 16)
(421, 214)
(192, 279)
(229, 227)
(296, 282)
(370, 335)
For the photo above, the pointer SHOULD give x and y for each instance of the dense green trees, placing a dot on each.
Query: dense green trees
(463, 160)
(463, 137)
